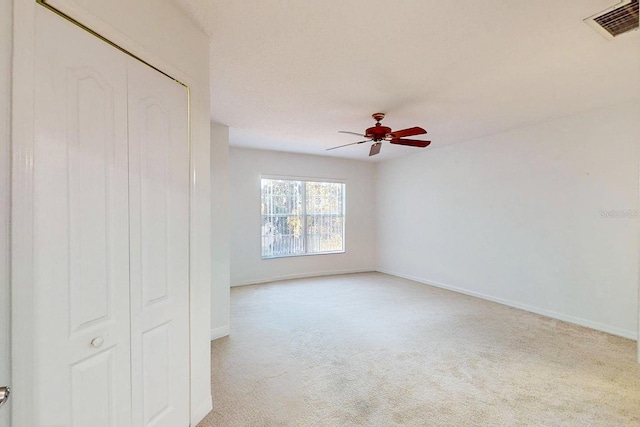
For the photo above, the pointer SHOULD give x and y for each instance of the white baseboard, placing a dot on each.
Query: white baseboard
(301, 276)
(220, 332)
(201, 411)
(625, 333)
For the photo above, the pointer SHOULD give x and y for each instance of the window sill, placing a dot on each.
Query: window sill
(302, 255)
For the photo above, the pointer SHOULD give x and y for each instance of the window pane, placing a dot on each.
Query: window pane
(324, 216)
(301, 217)
(282, 217)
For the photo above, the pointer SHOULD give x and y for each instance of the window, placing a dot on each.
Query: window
(302, 217)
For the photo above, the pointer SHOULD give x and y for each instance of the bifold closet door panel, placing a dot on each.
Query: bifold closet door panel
(159, 198)
(81, 296)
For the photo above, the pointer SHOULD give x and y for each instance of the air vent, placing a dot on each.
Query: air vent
(618, 19)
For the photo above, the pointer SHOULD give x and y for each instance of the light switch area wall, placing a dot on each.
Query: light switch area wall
(544, 218)
(220, 223)
(5, 179)
(246, 168)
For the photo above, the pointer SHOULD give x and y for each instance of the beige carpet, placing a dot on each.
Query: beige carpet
(374, 350)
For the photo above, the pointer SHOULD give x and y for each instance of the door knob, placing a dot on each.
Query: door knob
(4, 395)
(97, 342)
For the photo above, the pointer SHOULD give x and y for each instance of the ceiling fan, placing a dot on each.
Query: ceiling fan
(379, 133)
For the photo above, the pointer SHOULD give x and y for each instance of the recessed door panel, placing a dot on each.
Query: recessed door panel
(155, 174)
(93, 392)
(156, 349)
(91, 153)
(159, 195)
(81, 230)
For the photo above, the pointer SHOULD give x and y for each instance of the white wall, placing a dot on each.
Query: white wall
(516, 218)
(161, 34)
(6, 41)
(220, 222)
(246, 167)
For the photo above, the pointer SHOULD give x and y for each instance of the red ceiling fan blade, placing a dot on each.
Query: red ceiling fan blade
(410, 142)
(375, 149)
(346, 145)
(407, 132)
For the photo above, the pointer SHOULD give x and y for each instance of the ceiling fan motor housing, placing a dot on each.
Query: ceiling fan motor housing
(377, 132)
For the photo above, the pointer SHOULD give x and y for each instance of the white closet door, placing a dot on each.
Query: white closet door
(159, 198)
(81, 231)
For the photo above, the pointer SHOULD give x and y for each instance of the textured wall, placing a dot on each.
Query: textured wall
(543, 217)
(246, 168)
(220, 222)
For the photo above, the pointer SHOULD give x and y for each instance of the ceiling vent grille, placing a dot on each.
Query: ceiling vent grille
(616, 20)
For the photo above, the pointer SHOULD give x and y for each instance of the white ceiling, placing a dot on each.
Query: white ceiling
(288, 74)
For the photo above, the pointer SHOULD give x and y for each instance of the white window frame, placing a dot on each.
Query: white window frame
(304, 214)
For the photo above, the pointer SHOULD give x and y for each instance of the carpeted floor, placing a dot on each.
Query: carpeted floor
(375, 350)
